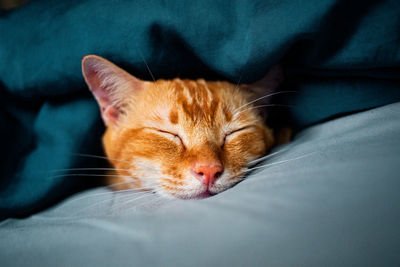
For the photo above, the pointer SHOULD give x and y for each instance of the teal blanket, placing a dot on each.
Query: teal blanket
(341, 57)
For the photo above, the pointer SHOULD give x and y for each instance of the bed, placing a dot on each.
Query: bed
(328, 198)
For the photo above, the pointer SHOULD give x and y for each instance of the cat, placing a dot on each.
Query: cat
(180, 138)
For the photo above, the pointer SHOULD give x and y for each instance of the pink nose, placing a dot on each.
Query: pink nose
(207, 173)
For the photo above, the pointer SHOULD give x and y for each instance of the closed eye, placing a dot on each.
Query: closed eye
(172, 136)
(234, 132)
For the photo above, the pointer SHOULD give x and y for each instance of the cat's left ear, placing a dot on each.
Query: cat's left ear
(112, 87)
(266, 86)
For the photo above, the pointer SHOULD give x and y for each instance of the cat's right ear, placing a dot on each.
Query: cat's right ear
(111, 86)
(267, 85)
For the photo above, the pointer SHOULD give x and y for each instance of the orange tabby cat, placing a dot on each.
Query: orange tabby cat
(180, 138)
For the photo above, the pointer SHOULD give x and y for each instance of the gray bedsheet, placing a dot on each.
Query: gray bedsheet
(330, 198)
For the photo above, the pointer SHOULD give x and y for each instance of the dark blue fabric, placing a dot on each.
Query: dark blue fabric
(341, 56)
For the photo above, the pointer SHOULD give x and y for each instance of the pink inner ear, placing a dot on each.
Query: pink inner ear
(91, 67)
(111, 85)
(109, 114)
(93, 80)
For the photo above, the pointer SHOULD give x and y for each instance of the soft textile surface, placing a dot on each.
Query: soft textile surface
(338, 205)
(341, 56)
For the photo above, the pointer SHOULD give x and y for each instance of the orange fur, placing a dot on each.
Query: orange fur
(166, 126)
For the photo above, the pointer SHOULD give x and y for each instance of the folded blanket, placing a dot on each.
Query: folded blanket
(341, 56)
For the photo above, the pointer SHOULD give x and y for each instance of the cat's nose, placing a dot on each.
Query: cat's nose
(207, 173)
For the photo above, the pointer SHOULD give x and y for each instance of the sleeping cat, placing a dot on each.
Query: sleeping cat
(179, 138)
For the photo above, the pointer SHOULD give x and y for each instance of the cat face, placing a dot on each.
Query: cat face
(179, 138)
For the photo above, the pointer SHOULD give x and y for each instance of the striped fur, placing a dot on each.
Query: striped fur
(164, 127)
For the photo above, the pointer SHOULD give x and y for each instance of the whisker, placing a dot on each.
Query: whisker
(128, 198)
(153, 201)
(147, 66)
(120, 183)
(269, 95)
(238, 82)
(148, 69)
(99, 157)
(89, 175)
(104, 193)
(88, 169)
(267, 156)
(146, 202)
(145, 195)
(260, 106)
(280, 162)
(104, 201)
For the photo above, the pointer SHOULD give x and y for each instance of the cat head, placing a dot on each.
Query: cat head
(180, 138)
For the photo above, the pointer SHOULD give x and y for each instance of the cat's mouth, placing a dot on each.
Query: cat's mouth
(195, 190)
